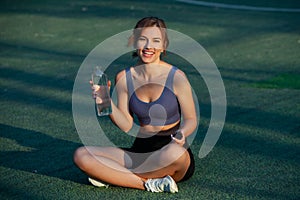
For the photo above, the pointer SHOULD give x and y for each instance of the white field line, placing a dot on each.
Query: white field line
(238, 7)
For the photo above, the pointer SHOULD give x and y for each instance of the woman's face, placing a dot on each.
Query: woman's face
(150, 45)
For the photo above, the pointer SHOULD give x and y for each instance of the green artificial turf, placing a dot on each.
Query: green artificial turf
(281, 81)
(43, 44)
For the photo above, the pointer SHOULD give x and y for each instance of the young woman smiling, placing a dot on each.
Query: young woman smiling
(160, 96)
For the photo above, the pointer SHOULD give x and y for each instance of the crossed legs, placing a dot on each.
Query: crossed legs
(114, 166)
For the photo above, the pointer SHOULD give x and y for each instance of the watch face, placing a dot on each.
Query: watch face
(177, 135)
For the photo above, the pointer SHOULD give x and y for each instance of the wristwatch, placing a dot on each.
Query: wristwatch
(178, 135)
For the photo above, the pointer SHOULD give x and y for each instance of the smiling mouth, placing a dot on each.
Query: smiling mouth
(148, 53)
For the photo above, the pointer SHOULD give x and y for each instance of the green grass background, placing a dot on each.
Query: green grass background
(43, 43)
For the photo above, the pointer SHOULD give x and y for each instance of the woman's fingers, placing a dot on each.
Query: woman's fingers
(179, 141)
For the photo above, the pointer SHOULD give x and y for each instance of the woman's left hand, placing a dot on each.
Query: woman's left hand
(179, 138)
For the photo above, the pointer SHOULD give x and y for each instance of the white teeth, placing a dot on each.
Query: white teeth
(147, 52)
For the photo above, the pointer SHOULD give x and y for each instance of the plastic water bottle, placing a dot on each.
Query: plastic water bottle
(102, 102)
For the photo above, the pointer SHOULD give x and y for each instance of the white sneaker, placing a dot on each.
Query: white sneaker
(97, 183)
(166, 184)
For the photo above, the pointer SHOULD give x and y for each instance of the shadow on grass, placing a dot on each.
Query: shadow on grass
(32, 51)
(43, 155)
(261, 146)
(13, 92)
(247, 191)
(23, 84)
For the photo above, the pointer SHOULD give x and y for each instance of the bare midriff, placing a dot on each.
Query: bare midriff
(153, 130)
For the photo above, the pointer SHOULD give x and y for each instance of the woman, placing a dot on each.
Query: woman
(160, 96)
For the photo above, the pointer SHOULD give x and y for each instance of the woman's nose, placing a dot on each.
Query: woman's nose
(147, 45)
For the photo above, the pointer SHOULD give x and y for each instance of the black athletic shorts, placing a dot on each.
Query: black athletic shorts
(143, 146)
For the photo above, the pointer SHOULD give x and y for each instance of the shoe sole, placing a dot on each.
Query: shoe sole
(97, 183)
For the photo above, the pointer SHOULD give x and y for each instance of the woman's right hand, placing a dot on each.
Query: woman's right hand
(99, 93)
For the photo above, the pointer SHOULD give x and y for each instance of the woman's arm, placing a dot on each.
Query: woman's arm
(183, 91)
(120, 114)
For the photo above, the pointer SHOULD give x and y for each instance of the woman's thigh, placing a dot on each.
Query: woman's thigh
(113, 153)
(167, 160)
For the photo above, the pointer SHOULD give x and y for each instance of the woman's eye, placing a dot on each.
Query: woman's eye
(157, 41)
(142, 39)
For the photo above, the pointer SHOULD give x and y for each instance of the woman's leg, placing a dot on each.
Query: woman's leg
(112, 165)
(109, 165)
(172, 160)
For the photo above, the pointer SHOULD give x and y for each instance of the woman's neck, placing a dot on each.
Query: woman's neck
(150, 70)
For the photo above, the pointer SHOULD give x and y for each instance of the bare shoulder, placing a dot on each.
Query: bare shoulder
(120, 81)
(181, 82)
(180, 72)
(120, 75)
(180, 76)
